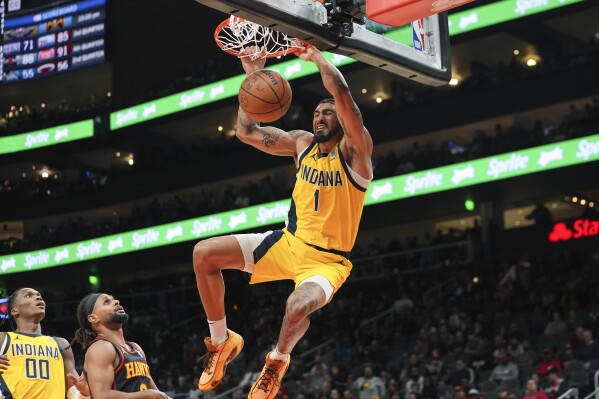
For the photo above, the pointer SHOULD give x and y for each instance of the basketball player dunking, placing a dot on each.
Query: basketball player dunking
(333, 172)
(39, 364)
(114, 368)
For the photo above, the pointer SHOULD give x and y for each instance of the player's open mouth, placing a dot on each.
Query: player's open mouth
(120, 309)
(41, 305)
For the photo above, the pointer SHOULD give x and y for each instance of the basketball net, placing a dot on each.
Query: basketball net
(243, 38)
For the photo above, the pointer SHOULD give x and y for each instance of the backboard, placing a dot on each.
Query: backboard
(426, 62)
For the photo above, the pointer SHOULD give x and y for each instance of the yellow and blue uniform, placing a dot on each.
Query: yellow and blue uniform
(322, 223)
(327, 201)
(36, 367)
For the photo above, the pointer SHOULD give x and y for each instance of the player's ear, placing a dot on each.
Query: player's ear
(92, 318)
(14, 312)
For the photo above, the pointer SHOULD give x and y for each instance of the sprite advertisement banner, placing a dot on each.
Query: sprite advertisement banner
(46, 137)
(484, 170)
(211, 92)
(499, 167)
(192, 229)
(501, 11)
(461, 22)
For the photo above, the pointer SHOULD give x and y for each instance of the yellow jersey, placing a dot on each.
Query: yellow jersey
(36, 368)
(327, 200)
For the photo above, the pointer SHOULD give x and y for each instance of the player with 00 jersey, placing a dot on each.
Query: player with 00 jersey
(39, 364)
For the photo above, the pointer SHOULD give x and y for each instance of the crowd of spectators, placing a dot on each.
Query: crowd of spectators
(149, 213)
(530, 336)
(508, 331)
(576, 122)
(23, 118)
(29, 117)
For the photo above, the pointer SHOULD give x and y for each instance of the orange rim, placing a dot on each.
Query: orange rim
(238, 53)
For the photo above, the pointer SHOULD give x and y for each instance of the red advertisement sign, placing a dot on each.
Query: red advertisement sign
(580, 228)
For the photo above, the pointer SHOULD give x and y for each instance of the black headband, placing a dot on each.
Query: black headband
(88, 307)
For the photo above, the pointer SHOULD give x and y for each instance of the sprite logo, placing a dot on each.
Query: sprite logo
(61, 255)
(546, 157)
(430, 180)
(276, 212)
(61, 134)
(523, 6)
(460, 175)
(35, 139)
(195, 97)
(292, 69)
(86, 250)
(8, 264)
(212, 224)
(587, 149)
(149, 110)
(126, 117)
(468, 20)
(174, 232)
(380, 190)
(115, 244)
(514, 163)
(236, 220)
(150, 236)
(41, 258)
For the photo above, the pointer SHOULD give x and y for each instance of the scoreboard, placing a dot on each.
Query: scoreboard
(52, 39)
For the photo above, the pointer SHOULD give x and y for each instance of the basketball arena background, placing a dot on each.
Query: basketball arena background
(475, 262)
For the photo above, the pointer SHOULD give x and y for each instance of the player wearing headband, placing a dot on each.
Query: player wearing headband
(114, 368)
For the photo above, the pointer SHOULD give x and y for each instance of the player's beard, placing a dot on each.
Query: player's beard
(323, 138)
(118, 318)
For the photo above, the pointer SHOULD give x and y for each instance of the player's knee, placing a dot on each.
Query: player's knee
(203, 255)
(300, 305)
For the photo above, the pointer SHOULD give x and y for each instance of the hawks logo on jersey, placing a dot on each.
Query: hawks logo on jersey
(137, 369)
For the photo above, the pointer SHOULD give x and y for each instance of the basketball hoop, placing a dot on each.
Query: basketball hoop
(243, 38)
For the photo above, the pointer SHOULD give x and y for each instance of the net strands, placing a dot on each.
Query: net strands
(247, 39)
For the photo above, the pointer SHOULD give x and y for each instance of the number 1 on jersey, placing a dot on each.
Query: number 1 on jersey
(316, 195)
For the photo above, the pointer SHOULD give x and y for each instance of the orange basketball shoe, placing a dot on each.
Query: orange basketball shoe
(269, 382)
(217, 358)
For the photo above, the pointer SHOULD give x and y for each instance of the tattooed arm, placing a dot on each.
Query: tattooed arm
(270, 139)
(357, 142)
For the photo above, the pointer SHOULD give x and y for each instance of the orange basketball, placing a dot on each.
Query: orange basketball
(265, 95)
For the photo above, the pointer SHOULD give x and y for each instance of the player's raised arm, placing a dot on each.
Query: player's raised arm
(356, 136)
(269, 139)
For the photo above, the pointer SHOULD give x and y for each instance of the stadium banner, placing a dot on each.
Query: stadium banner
(461, 22)
(499, 12)
(47, 137)
(484, 170)
(210, 93)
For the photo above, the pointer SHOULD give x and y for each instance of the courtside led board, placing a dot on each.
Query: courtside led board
(478, 171)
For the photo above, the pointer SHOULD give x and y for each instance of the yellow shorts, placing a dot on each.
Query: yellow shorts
(279, 255)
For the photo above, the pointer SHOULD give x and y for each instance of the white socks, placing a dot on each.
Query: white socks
(276, 355)
(218, 331)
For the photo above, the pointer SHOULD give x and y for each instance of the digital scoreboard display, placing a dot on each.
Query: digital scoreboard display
(55, 38)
